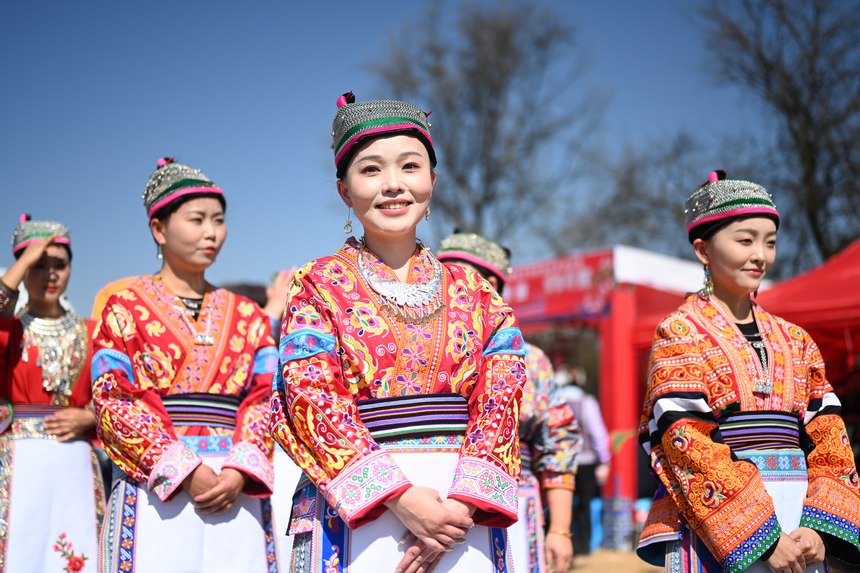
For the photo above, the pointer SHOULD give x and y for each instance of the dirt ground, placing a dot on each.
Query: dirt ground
(606, 561)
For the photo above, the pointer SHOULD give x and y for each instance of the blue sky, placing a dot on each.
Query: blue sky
(94, 91)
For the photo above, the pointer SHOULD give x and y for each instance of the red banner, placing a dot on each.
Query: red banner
(575, 286)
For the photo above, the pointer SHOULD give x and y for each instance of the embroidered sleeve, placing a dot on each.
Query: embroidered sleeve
(315, 418)
(489, 467)
(132, 423)
(832, 505)
(252, 441)
(697, 472)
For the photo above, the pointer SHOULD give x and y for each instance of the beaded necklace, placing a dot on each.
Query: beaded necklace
(61, 345)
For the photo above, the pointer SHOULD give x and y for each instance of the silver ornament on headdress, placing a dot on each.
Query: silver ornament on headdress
(28, 229)
(171, 178)
(725, 196)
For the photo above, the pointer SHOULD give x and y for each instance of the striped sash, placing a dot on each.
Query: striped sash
(405, 417)
(744, 431)
(202, 409)
(35, 410)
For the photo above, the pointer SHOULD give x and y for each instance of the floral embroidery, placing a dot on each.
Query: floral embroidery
(74, 563)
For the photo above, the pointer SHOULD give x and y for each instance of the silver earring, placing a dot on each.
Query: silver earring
(427, 214)
(709, 284)
(158, 254)
(347, 227)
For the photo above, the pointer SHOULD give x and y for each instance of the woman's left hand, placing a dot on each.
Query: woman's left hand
(559, 551)
(70, 423)
(810, 544)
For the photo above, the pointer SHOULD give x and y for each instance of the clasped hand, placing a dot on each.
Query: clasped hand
(214, 493)
(434, 526)
(799, 550)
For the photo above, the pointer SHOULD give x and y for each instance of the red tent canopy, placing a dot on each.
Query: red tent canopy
(826, 302)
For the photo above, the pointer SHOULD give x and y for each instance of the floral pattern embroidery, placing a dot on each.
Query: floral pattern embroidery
(74, 563)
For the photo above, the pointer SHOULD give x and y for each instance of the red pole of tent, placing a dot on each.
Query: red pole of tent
(618, 390)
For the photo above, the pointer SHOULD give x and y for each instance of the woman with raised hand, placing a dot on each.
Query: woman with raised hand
(743, 429)
(400, 379)
(51, 491)
(182, 373)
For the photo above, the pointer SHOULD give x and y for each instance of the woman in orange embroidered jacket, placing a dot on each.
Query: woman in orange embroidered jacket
(743, 429)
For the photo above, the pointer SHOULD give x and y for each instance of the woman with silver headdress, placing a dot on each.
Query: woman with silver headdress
(182, 372)
(46, 419)
(400, 379)
(743, 429)
(549, 434)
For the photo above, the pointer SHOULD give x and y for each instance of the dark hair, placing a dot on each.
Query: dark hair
(17, 254)
(707, 231)
(165, 212)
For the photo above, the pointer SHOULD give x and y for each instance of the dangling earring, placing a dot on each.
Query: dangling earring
(709, 284)
(347, 227)
(158, 254)
(427, 214)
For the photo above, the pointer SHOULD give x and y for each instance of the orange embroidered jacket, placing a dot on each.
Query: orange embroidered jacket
(702, 369)
(146, 354)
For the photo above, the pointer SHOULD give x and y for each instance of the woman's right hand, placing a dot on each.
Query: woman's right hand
(787, 558)
(30, 256)
(433, 523)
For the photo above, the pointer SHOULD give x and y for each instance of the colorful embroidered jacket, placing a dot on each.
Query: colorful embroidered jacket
(548, 427)
(701, 370)
(21, 374)
(145, 353)
(338, 346)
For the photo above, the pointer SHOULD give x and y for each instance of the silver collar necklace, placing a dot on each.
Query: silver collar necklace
(410, 302)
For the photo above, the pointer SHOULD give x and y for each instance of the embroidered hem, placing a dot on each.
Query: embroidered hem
(363, 485)
(248, 459)
(485, 486)
(176, 463)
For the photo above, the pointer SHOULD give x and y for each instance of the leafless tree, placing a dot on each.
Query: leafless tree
(801, 59)
(509, 113)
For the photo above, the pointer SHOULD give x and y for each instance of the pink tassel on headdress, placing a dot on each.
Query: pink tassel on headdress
(345, 99)
(716, 175)
(164, 161)
(24, 217)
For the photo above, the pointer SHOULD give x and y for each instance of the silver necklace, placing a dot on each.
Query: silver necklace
(61, 345)
(410, 302)
(203, 338)
(762, 385)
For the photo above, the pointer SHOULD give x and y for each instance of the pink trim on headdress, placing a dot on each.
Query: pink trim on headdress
(470, 258)
(164, 161)
(714, 176)
(187, 191)
(735, 213)
(382, 129)
(56, 241)
(24, 217)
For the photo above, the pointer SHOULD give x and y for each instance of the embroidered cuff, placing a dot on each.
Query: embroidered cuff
(358, 492)
(753, 547)
(556, 480)
(5, 416)
(827, 522)
(251, 461)
(175, 464)
(491, 490)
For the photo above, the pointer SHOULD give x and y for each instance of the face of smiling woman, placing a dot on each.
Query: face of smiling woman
(739, 255)
(388, 183)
